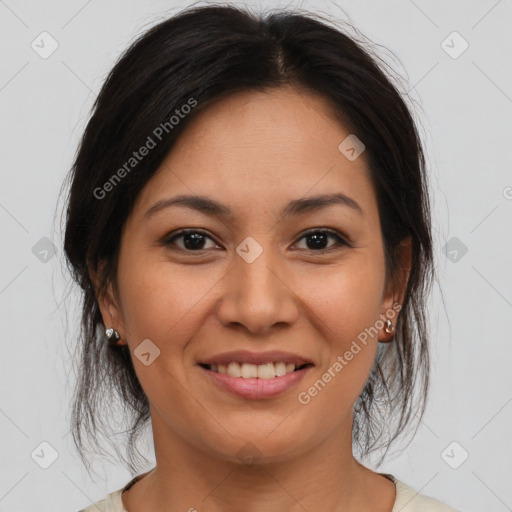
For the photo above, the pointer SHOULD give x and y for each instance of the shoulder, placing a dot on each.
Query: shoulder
(408, 500)
(112, 503)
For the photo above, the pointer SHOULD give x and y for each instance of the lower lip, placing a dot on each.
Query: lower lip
(256, 388)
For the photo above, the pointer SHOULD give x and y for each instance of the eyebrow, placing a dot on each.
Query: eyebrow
(214, 208)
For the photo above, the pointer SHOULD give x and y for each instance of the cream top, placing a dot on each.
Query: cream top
(407, 499)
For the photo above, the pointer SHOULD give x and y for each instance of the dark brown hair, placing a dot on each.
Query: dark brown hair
(208, 53)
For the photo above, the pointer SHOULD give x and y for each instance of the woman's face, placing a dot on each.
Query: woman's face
(250, 279)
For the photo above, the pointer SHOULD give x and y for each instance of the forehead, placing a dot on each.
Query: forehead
(280, 121)
(262, 149)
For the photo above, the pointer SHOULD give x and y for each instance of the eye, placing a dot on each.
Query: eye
(317, 239)
(193, 240)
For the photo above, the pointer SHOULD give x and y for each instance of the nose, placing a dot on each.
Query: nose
(258, 296)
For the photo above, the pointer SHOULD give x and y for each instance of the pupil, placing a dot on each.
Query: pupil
(318, 240)
(196, 238)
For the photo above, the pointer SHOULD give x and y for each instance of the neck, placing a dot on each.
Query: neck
(187, 478)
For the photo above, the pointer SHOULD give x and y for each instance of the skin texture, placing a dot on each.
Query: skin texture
(255, 152)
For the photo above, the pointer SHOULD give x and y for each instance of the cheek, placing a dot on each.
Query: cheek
(164, 303)
(346, 300)
(155, 308)
(348, 313)
(345, 307)
(147, 309)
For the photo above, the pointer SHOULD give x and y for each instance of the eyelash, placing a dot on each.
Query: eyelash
(169, 240)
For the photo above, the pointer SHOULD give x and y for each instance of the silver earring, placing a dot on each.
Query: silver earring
(389, 326)
(112, 336)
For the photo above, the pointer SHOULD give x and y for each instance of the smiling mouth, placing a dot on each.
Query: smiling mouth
(248, 371)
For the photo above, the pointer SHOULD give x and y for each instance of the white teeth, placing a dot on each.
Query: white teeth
(249, 371)
(260, 371)
(280, 369)
(234, 370)
(265, 371)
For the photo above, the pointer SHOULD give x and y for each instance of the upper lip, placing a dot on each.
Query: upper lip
(245, 356)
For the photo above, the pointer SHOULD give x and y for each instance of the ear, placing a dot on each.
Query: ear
(395, 291)
(108, 303)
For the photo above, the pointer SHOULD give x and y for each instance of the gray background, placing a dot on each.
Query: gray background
(465, 107)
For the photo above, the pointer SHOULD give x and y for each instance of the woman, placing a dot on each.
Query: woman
(249, 222)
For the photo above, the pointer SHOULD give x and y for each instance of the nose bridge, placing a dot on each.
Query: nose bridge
(257, 295)
(256, 267)
(258, 277)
